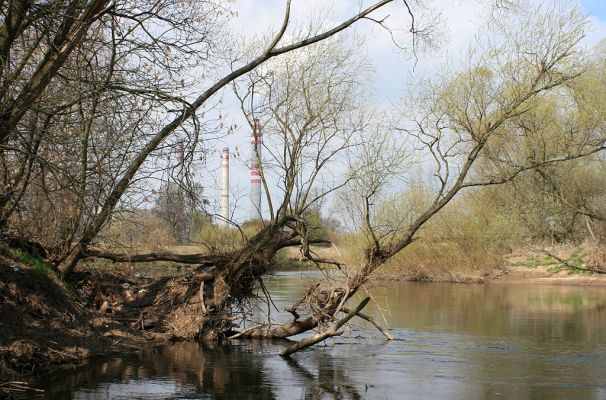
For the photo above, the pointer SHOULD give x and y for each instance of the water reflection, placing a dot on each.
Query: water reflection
(454, 341)
(536, 312)
(328, 381)
(183, 369)
(246, 370)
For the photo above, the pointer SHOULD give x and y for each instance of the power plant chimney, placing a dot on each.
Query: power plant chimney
(255, 176)
(224, 187)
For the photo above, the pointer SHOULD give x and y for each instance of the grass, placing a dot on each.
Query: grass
(534, 262)
(577, 258)
(37, 264)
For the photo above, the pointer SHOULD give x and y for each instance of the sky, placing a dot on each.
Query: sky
(595, 8)
(394, 68)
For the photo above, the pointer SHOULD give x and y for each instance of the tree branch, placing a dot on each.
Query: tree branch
(333, 331)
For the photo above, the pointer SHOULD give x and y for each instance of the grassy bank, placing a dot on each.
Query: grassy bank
(563, 263)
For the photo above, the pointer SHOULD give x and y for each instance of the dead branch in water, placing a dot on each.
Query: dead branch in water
(333, 331)
(370, 319)
(246, 331)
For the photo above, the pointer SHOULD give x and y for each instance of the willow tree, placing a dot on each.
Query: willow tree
(467, 127)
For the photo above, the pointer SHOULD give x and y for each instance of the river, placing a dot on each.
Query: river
(454, 341)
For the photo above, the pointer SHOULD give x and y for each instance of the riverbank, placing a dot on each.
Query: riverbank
(46, 322)
(563, 265)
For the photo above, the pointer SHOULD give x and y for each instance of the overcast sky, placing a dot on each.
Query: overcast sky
(394, 69)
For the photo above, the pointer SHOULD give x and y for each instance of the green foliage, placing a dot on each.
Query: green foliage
(315, 226)
(469, 237)
(35, 263)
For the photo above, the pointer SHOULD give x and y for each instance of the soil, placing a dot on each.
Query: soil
(538, 275)
(545, 275)
(44, 324)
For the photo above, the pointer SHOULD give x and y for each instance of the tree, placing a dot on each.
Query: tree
(113, 132)
(312, 116)
(179, 207)
(132, 56)
(468, 126)
(69, 262)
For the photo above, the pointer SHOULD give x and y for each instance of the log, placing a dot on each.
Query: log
(245, 332)
(281, 332)
(333, 331)
(198, 258)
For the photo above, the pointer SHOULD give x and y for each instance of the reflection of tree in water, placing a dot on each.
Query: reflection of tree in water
(195, 370)
(222, 371)
(517, 310)
(331, 381)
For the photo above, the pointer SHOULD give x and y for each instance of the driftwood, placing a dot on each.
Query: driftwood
(370, 319)
(18, 388)
(245, 332)
(333, 331)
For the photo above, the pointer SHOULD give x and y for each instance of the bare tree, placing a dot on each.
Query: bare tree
(188, 111)
(467, 125)
(311, 110)
(87, 90)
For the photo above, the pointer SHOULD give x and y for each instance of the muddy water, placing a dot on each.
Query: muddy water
(510, 341)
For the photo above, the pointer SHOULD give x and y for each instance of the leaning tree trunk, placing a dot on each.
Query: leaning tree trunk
(198, 304)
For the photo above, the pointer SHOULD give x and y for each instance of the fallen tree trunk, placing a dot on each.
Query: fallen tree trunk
(199, 258)
(333, 331)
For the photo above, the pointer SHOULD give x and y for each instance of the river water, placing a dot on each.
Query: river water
(454, 341)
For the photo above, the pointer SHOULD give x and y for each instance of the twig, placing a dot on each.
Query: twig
(17, 386)
(370, 319)
(73, 357)
(177, 329)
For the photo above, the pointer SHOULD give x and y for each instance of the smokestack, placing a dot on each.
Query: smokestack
(255, 176)
(224, 186)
